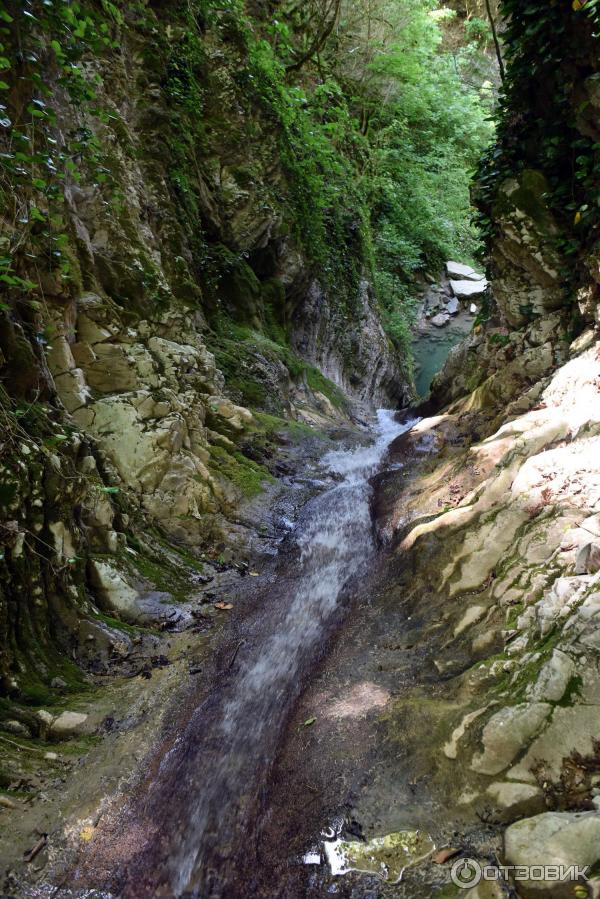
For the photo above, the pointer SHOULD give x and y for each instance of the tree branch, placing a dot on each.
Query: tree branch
(496, 41)
(319, 40)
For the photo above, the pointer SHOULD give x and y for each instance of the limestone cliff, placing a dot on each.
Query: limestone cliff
(170, 291)
(496, 538)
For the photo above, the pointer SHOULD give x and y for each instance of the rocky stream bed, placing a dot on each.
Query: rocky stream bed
(408, 667)
(258, 638)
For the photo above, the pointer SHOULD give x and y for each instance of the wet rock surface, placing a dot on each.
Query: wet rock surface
(453, 689)
(459, 693)
(473, 627)
(564, 839)
(90, 750)
(191, 656)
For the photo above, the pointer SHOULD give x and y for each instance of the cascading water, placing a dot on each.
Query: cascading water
(210, 782)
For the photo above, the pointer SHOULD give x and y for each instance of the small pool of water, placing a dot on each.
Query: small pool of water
(387, 856)
(431, 347)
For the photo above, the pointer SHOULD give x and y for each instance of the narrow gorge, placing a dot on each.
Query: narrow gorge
(299, 457)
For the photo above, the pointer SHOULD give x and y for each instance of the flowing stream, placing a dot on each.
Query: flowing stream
(206, 799)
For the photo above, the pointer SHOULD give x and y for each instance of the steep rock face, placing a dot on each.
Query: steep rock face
(150, 398)
(147, 250)
(494, 553)
(501, 529)
(157, 287)
(536, 195)
(356, 358)
(529, 272)
(538, 299)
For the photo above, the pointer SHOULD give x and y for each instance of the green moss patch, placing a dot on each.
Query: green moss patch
(249, 477)
(241, 353)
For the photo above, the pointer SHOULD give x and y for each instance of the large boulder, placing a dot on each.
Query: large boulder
(507, 733)
(464, 288)
(528, 268)
(115, 593)
(513, 800)
(72, 389)
(588, 559)
(573, 728)
(553, 838)
(554, 678)
(64, 725)
(69, 724)
(226, 418)
(118, 367)
(463, 272)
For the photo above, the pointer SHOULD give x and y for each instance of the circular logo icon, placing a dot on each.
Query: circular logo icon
(465, 873)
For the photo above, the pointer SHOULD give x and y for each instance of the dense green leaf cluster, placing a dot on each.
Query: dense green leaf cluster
(425, 143)
(38, 39)
(376, 145)
(379, 155)
(547, 120)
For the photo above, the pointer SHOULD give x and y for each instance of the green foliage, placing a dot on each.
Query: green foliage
(407, 131)
(317, 382)
(319, 147)
(379, 158)
(551, 51)
(240, 352)
(37, 159)
(376, 154)
(499, 339)
(478, 30)
(272, 425)
(425, 141)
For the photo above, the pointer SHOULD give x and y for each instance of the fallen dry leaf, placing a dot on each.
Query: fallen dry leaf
(226, 606)
(254, 574)
(444, 855)
(86, 834)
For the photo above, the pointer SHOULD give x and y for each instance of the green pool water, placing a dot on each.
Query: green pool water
(432, 347)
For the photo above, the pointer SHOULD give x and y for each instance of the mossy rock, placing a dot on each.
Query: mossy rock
(240, 292)
(247, 477)
(275, 310)
(529, 197)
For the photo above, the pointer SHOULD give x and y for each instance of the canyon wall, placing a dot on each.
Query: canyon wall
(158, 281)
(495, 542)
(537, 196)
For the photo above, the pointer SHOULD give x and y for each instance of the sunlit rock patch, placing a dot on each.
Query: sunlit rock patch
(358, 701)
(502, 540)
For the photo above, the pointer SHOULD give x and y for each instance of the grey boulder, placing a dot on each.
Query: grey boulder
(460, 271)
(551, 839)
(464, 289)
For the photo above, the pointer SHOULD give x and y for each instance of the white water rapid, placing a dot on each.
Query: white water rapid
(214, 776)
